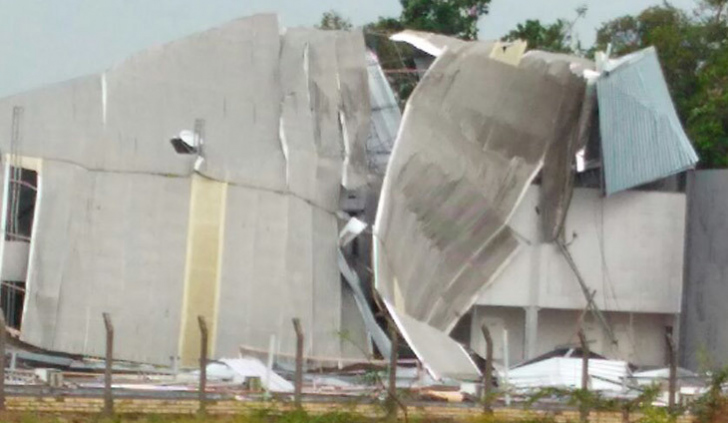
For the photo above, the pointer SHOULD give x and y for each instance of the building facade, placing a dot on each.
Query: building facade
(199, 178)
(628, 248)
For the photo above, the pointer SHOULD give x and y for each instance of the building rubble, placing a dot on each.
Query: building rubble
(253, 174)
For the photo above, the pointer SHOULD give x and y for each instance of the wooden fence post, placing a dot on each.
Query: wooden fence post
(108, 396)
(673, 372)
(2, 359)
(392, 403)
(299, 362)
(584, 406)
(203, 364)
(488, 371)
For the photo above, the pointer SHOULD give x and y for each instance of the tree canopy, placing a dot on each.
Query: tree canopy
(458, 18)
(555, 37)
(549, 37)
(332, 20)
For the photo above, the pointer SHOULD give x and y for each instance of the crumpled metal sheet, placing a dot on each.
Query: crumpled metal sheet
(474, 135)
(642, 138)
(565, 373)
(309, 122)
(386, 117)
(325, 116)
(247, 367)
(440, 355)
(430, 43)
(436, 44)
(378, 336)
(557, 175)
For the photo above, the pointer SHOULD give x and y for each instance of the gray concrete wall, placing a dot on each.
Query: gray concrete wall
(640, 337)
(703, 335)
(497, 319)
(107, 242)
(628, 247)
(285, 125)
(15, 260)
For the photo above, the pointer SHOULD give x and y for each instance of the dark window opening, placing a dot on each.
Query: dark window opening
(22, 195)
(12, 295)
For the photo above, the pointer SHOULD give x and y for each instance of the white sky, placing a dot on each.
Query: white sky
(44, 41)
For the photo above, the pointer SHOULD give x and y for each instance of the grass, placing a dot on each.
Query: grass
(262, 416)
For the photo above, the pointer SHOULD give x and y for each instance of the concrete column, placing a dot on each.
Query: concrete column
(531, 332)
(475, 335)
(674, 321)
(534, 286)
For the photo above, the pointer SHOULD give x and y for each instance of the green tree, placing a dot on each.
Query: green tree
(458, 18)
(675, 36)
(556, 37)
(707, 115)
(552, 37)
(332, 20)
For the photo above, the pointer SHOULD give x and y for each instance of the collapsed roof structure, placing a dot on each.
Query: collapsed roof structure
(480, 126)
(239, 219)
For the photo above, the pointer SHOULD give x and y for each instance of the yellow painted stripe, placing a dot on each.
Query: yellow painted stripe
(202, 273)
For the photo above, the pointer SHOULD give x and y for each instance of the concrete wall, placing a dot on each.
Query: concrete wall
(640, 337)
(497, 319)
(704, 338)
(628, 247)
(119, 228)
(15, 260)
(107, 242)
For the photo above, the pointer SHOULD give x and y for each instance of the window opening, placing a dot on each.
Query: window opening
(22, 195)
(12, 296)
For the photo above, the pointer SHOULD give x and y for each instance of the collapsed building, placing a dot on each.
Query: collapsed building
(198, 178)
(216, 176)
(525, 190)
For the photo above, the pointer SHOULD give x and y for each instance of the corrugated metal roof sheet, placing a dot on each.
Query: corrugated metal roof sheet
(560, 372)
(642, 138)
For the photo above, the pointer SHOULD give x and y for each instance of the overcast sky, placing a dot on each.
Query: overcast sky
(44, 41)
